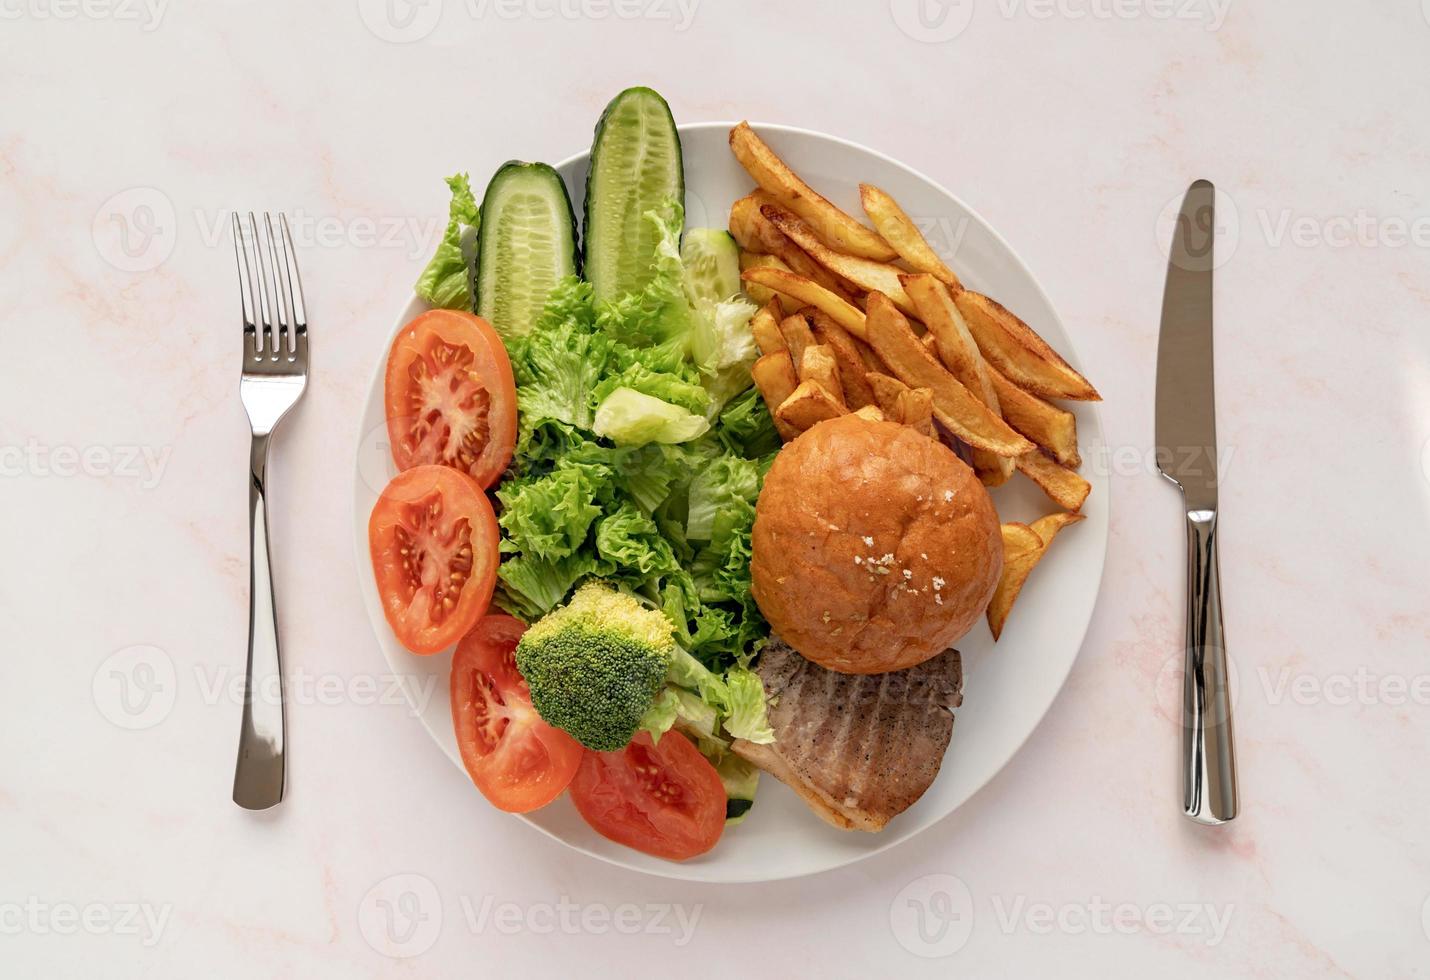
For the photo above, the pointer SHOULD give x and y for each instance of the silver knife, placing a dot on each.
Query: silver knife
(1187, 455)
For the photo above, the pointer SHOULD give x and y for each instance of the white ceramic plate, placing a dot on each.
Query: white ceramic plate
(1006, 692)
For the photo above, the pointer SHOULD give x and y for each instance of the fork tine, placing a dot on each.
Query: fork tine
(297, 303)
(245, 286)
(282, 293)
(265, 344)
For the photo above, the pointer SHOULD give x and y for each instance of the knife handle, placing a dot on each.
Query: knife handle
(1208, 748)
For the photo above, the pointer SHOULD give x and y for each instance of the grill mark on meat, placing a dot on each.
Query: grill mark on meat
(860, 749)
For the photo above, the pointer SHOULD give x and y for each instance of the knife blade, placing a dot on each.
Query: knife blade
(1186, 454)
(1186, 400)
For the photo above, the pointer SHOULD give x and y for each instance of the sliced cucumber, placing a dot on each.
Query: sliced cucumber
(712, 266)
(527, 242)
(635, 167)
(741, 779)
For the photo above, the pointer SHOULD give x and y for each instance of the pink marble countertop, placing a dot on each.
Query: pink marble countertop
(131, 129)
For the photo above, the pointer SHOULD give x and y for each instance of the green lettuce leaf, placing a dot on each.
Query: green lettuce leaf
(549, 516)
(447, 280)
(631, 418)
(746, 715)
(722, 484)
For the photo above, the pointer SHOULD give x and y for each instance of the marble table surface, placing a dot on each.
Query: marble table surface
(130, 129)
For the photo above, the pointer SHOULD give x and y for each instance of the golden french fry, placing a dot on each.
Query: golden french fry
(901, 233)
(1015, 349)
(866, 274)
(1022, 547)
(887, 390)
(916, 410)
(956, 408)
(757, 260)
(849, 353)
(817, 364)
(774, 176)
(753, 231)
(774, 376)
(808, 406)
(765, 325)
(797, 335)
(1048, 527)
(806, 292)
(870, 412)
(1063, 486)
(959, 353)
(1053, 428)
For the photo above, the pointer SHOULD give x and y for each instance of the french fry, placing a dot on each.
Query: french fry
(900, 232)
(765, 325)
(1063, 486)
(772, 174)
(959, 353)
(1048, 527)
(866, 274)
(1053, 428)
(774, 376)
(887, 390)
(1023, 547)
(752, 230)
(807, 292)
(749, 228)
(916, 410)
(817, 364)
(955, 407)
(870, 412)
(1015, 349)
(757, 260)
(848, 352)
(797, 336)
(808, 406)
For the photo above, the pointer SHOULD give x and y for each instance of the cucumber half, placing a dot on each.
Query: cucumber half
(526, 244)
(712, 266)
(635, 167)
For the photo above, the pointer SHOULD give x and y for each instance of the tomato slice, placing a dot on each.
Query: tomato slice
(433, 537)
(519, 762)
(664, 799)
(450, 396)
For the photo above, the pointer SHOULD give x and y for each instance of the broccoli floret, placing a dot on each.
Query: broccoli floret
(595, 665)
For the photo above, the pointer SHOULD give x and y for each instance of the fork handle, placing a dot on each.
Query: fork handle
(258, 777)
(1208, 748)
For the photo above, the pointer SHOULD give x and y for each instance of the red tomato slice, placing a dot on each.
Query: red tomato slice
(433, 537)
(519, 762)
(664, 799)
(450, 396)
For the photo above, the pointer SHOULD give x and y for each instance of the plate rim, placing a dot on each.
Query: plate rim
(363, 563)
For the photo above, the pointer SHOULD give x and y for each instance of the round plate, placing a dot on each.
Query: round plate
(1006, 692)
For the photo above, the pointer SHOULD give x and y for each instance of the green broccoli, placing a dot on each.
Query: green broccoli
(595, 665)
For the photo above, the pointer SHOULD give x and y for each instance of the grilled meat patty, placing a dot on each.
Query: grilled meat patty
(859, 748)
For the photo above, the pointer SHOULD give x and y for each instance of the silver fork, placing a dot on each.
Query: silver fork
(275, 374)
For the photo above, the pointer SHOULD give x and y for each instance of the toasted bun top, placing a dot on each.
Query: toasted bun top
(875, 547)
